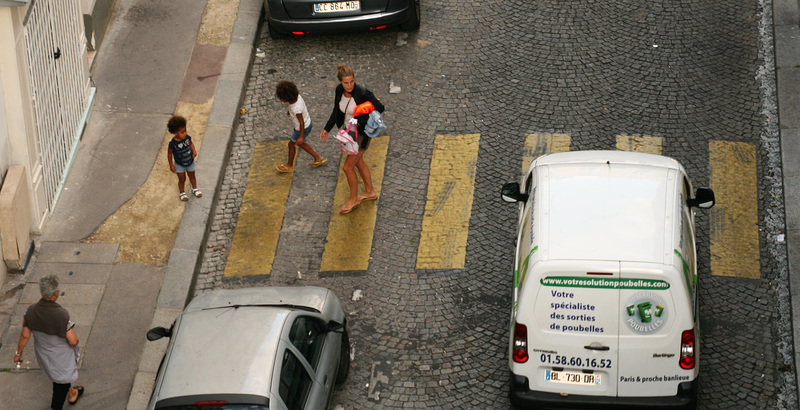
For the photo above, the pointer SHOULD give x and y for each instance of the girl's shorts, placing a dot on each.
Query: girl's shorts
(306, 133)
(179, 169)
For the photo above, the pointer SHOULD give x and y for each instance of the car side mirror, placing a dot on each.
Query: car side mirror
(703, 198)
(157, 333)
(334, 326)
(510, 193)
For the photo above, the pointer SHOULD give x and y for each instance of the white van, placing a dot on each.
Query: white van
(605, 282)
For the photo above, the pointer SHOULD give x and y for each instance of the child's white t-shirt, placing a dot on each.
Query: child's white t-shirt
(299, 107)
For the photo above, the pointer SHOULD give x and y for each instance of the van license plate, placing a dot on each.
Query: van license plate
(338, 6)
(582, 379)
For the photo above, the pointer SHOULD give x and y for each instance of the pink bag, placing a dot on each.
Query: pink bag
(346, 142)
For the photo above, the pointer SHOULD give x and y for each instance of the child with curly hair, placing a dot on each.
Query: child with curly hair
(287, 92)
(180, 154)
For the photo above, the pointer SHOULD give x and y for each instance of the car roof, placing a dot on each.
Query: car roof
(607, 205)
(227, 340)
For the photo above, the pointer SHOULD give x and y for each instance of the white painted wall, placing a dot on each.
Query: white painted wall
(20, 127)
(5, 146)
(17, 128)
(5, 161)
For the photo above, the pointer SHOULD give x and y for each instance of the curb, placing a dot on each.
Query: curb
(785, 17)
(185, 257)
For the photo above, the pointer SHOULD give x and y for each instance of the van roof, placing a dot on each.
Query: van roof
(606, 205)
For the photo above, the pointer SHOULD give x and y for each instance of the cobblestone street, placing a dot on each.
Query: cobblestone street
(690, 73)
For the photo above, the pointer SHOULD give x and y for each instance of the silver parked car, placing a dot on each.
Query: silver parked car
(256, 348)
(300, 17)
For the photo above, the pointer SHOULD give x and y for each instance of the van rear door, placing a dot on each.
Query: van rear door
(655, 310)
(574, 343)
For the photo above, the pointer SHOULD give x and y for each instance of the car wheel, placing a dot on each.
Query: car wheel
(344, 359)
(274, 34)
(413, 22)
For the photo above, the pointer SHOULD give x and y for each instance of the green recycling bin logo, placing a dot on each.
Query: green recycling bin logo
(645, 313)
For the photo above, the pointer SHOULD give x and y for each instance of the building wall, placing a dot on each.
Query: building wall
(5, 152)
(21, 130)
(5, 145)
(18, 131)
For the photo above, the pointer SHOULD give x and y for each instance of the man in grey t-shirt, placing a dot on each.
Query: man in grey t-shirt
(55, 343)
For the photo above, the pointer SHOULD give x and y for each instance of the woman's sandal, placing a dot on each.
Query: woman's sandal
(363, 198)
(183, 196)
(197, 193)
(318, 163)
(80, 393)
(345, 211)
(284, 168)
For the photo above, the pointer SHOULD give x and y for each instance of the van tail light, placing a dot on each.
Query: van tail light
(520, 352)
(687, 349)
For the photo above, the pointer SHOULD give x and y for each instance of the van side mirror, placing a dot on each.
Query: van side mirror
(157, 333)
(703, 198)
(511, 194)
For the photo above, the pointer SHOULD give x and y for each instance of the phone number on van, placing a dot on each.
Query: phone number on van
(555, 359)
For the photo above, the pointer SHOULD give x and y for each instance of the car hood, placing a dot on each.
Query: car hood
(224, 351)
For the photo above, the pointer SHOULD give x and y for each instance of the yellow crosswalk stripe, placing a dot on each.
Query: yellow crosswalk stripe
(451, 186)
(645, 144)
(538, 144)
(261, 215)
(734, 218)
(349, 241)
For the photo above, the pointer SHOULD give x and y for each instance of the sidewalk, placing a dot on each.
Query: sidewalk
(158, 58)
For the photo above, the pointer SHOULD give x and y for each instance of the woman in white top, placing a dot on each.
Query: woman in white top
(347, 96)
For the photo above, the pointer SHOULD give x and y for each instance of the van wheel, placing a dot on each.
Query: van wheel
(344, 359)
(413, 22)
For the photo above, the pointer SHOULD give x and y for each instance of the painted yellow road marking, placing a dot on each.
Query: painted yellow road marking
(349, 241)
(734, 218)
(261, 215)
(451, 186)
(539, 144)
(648, 145)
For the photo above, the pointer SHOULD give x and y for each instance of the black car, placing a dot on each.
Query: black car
(300, 17)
